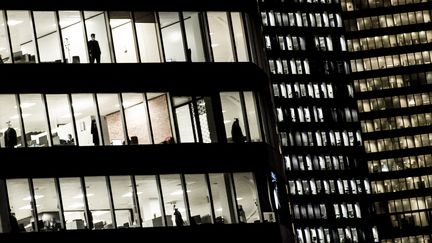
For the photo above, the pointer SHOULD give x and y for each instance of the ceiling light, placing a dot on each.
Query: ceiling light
(214, 45)
(26, 105)
(36, 196)
(76, 205)
(14, 22)
(81, 195)
(219, 210)
(227, 121)
(23, 116)
(239, 198)
(129, 194)
(178, 192)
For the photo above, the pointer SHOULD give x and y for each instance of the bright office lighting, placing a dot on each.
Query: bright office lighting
(77, 205)
(26, 105)
(27, 207)
(29, 197)
(219, 210)
(178, 192)
(239, 198)
(14, 22)
(227, 121)
(129, 194)
(23, 116)
(81, 195)
(214, 45)
(175, 36)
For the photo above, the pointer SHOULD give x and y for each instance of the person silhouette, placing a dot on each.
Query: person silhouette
(94, 49)
(236, 132)
(10, 136)
(14, 227)
(178, 217)
(242, 214)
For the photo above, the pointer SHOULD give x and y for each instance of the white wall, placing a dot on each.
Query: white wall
(49, 48)
(124, 46)
(74, 36)
(148, 42)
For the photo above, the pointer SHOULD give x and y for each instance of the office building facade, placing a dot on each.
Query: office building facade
(173, 127)
(390, 53)
(318, 122)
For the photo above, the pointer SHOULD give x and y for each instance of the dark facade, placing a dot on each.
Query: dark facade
(390, 53)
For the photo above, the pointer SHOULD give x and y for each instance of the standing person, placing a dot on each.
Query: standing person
(242, 214)
(10, 136)
(94, 49)
(236, 132)
(13, 223)
(178, 217)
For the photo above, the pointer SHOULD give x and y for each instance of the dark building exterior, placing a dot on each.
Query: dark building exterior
(142, 144)
(390, 53)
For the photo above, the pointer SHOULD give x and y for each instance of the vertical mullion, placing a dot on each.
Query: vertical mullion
(174, 122)
(71, 109)
(136, 200)
(82, 17)
(33, 204)
(171, 115)
(208, 37)
(185, 197)
(194, 128)
(246, 35)
(60, 203)
(57, 21)
(159, 30)
(196, 116)
(231, 192)
(184, 38)
(150, 128)
(21, 120)
(8, 35)
(209, 191)
(161, 201)
(110, 37)
(205, 37)
(88, 215)
(123, 118)
(232, 38)
(45, 104)
(36, 45)
(135, 37)
(260, 117)
(111, 201)
(95, 99)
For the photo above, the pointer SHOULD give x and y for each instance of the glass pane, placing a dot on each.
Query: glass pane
(160, 118)
(173, 200)
(247, 197)
(11, 132)
(97, 196)
(185, 123)
(111, 119)
(207, 123)
(233, 117)
(136, 115)
(21, 34)
(5, 56)
(125, 208)
(172, 37)
(147, 35)
(74, 42)
(20, 204)
(222, 199)
(95, 24)
(199, 200)
(88, 129)
(35, 122)
(149, 201)
(62, 129)
(48, 39)
(123, 38)
(73, 203)
(47, 204)
(253, 118)
(220, 37)
(193, 36)
(239, 37)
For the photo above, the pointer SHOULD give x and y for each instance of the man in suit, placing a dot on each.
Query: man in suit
(94, 49)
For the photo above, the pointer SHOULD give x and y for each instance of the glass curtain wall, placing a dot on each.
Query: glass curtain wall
(122, 36)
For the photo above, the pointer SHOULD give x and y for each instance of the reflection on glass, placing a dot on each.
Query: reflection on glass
(252, 116)
(149, 201)
(47, 204)
(172, 37)
(160, 118)
(172, 192)
(111, 119)
(10, 123)
(48, 38)
(88, 129)
(35, 122)
(219, 35)
(199, 200)
(95, 24)
(247, 197)
(125, 208)
(20, 204)
(123, 38)
(193, 36)
(21, 35)
(73, 203)
(239, 37)
(5, 56)
(222, 199)
(232, 110)
(97, 196)
(74, 42)
(186, 125)
(62, 129)
(136, 115)
(147, 35)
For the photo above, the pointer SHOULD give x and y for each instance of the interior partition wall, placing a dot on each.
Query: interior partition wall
(124, 36)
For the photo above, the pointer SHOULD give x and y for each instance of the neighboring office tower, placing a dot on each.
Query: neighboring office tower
(390, 50)
(317, 120)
